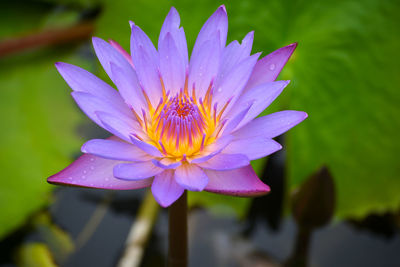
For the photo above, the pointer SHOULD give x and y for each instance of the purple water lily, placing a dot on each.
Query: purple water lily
(178, 124)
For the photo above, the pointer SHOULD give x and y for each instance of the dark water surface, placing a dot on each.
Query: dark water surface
(213, 240)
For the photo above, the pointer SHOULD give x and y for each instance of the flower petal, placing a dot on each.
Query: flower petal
(119, 127)
(145, 58)
(107, 54)
(166, 163)
(212, 149)
(90, 104)
(128, 85)
(165, 189)
(91, 171)
(191, 177)
(254, 148)
(204, 66)
(146, 147)
(259, 98)
(171, 25)
(232, 85)
(116, 150)
(271, 125)
(81, 80)
(123, 52)
(223, 162)
(233, 54)
(136, 170)
(268, 68)
(218, 22)
(239, 182)
(233, 122)
(172, 65)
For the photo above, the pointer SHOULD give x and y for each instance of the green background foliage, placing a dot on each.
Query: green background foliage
(345, 75)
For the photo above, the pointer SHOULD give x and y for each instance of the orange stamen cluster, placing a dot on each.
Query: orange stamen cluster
(181, 125)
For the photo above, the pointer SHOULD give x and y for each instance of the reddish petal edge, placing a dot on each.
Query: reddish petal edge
(94, 172)
(241, 182)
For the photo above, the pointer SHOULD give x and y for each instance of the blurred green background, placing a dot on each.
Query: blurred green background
(345, 74)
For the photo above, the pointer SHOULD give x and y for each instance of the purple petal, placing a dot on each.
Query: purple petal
(254, 148)
(268, 68)
(213, 149)
(239, 182)
(171, 25)
(107, 54)
(232, 123)
(90, 104)
(128, 85)
(81, 80)
(165, 189)
(218, 22)
(232, 85)
(123, 52)
(136, 170)
(95, 172)
(259, 98)
(116, 150)
(146, 147)
(121, 128)
(172, 65)
(234, 53)
(222, 162)
(145, 58)
(166, 163)
(191, 177)
(271, 125)
(204, 66)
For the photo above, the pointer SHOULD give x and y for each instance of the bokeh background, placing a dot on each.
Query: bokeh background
(336, 185)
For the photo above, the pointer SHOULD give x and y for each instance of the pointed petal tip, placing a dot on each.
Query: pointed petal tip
(292, 47)
(131, 23)
(96, 41)
(173, 10)
(223, 8)
(249, 35)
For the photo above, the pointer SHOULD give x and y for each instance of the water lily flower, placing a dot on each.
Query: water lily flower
(179, 124)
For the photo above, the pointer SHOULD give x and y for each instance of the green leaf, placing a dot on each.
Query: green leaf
(38, 135)
(38, 116)
(344, 74)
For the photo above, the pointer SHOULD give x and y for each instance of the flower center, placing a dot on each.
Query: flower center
(182, 125)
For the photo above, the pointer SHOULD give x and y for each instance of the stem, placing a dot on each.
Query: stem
(299, 257)
(177, 238)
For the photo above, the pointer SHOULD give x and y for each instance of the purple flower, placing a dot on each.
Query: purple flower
(179, 124)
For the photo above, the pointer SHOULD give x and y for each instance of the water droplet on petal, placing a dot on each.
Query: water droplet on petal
(84, 172)
(92, 168)
(70, 178)
(107, 179)
(91, 159)
(219, 90)
(83, 177)
(272, 67)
